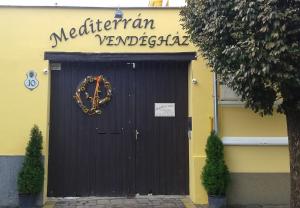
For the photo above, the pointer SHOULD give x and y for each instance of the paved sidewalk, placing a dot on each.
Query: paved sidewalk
(136, 202)
(259, 206)
(250, 206)
(122, 202)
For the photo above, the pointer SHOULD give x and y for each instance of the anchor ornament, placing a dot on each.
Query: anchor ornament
(95, 100)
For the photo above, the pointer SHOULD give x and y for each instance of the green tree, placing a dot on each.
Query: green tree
(253, 46)
(215, 174)
(31, 176)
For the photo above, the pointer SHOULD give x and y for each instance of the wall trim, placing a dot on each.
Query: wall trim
(85, 6)
(231, 103)
(238, 103)
(255, 141)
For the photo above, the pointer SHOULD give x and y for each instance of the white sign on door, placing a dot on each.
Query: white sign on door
(164, 109)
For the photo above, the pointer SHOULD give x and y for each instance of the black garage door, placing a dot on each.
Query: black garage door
(138, 144)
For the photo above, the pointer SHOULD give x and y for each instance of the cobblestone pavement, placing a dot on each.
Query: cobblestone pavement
(122, 202)
(260, 206)
(250, 206)
(137, 202)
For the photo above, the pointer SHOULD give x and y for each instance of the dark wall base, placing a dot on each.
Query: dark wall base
(259, 188)
(9, 169)
(245, 188)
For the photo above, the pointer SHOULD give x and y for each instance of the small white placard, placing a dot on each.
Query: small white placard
(55, 66)
(164, 109)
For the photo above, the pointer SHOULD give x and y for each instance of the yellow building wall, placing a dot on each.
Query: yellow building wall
(201, 111)
(253, 159)
(24, 39)
(233, 123)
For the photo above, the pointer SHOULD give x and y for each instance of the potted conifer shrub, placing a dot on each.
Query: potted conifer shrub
(31, 175)
(215, 174)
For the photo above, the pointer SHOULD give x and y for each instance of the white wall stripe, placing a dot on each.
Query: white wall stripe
(255, 141)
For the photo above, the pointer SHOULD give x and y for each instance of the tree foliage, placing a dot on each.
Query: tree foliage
(215, 174)
(31, 176)
(253, 45)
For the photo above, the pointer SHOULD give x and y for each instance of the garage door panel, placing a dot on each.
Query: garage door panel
(124, 150)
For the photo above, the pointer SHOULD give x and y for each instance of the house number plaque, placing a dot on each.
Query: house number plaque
(31, 82)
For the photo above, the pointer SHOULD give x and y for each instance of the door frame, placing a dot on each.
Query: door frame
(57, 57)
(86, 57)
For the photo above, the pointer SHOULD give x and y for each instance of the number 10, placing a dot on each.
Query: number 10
(31, 83)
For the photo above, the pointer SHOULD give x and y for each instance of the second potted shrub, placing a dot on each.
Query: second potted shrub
(31, 176)
(215, 175)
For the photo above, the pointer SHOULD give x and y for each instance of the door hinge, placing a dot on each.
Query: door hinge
(136, 134)
(131, 63)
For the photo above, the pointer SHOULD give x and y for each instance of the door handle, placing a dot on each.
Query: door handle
(136, 134)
